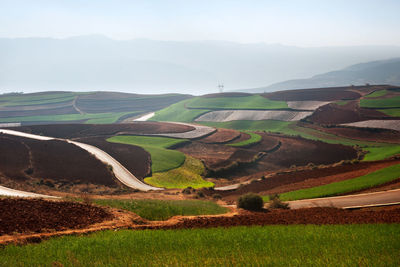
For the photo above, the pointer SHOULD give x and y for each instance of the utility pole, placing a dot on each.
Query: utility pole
(221, 87)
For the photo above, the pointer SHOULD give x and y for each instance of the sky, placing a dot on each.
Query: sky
(306, 23)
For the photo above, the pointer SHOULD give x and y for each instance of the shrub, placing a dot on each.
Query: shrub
(188, 190)
(250, 202)
(276, 203)
(199, 194)
(216, 196)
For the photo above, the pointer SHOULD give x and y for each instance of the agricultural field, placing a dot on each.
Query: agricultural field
(254, 139)
(393, 102)
(163, 159)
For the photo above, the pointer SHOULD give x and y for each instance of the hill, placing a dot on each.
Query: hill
(375, 72)
(79, 107)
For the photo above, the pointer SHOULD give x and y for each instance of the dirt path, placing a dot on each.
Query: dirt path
(121, 173)
(199, 131)
(4, 191)
(76, 107)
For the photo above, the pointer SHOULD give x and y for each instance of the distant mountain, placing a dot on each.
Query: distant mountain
(375, 72)
(146, 66)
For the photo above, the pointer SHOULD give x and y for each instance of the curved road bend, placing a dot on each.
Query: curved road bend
(4, 191)
(349, 201)
(121, 173)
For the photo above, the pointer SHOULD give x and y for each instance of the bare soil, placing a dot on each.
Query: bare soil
(222, 136)
(36, 215)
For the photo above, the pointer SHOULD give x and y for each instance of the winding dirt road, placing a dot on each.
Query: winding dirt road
(4, 191)
(120, 172)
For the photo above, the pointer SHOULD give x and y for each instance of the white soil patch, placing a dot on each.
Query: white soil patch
(253, 115)
(199, 131)
(145, 117)
(306, 105)
(385, 124)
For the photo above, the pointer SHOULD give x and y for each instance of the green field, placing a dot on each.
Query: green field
(178, 112)
(379, 153)
(370, 180)
(189, 174)
(393, 102)
(394, 112)
(377, 93)
(297, 245)
(163, 159)
(254, 138)
(156, 210)
(36, 99)
(265, 125)
(244, 102)
(341, 102)
(100, 118)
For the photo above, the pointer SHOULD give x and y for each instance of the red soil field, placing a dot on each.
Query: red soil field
(351, 112)
(317, 94)
(134, 158)
(300, 179)
(222, 136)
(317, 216)
(35, 215)
(365, 134)
(62, 163)
(14, 158)
(86, 130)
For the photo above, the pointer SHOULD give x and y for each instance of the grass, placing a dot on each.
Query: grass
(393, 102)
(245, 102)
(370, 180)
(297, 245)
(254, 138)
(178, 112)
(265, 125)
(163, 159)
(377, 93)
(379, 153)
(341, 102)
(394, 112)
(189, 174)
(100, 118)
(156, 210)
(36, 99)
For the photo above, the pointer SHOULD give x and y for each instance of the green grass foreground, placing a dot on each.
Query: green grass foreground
(163, 159)
(254, 138)
(189, 174)
(370, 180)
(297, 245)
(243, 102)
(157, 210)
(393, 102)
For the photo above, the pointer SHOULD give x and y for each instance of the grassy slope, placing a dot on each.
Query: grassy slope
(370, 180)
(189, 174)
(393, 102)
(298, 245)
(178, 112)
(245, 102)
(36, 99)
(394, 112)
(377, 93)
(162, 158)
(153, 209)
(254, 138)
(91, 118)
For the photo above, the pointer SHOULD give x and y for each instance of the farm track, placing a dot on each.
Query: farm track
(120, 171)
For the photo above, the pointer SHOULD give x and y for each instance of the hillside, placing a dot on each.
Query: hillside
(375, 72)
(79, 107)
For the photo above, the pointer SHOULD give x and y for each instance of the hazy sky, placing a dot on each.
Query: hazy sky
(290, 22)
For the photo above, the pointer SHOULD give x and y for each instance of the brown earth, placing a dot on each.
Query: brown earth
(86, 130)
(350, 112)
(304, 178)
(357, 133)
(222, 136)
(36, 215)
(134, 158)
(53, 164)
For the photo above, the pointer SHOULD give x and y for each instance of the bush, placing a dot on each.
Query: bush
(276, 203)
(188, 190)
(250, 202)
(216, 196)
(199, 194)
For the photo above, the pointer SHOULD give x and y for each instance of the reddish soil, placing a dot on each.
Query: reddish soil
(134, 158)
(242, 137)
(222, 136)
(317, 216)
(14, 158)
(62, 163)
(23, 215)
(351, 112)
(300, 179)
(365, 134)
(87, 130)
(317, 94)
